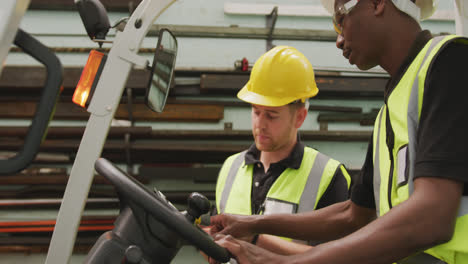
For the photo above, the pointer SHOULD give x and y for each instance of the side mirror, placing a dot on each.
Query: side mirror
(162, 71)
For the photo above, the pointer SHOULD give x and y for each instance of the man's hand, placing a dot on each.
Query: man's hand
(246, 253)
(206, 229)
(237, 226)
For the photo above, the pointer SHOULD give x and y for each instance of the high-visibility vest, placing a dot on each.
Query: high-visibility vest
(295, 190)
(394, 174)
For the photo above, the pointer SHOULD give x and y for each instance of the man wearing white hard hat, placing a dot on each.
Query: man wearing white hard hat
(410, 204)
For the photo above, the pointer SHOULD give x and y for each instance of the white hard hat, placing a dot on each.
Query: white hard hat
(423, 9)
(428, 8)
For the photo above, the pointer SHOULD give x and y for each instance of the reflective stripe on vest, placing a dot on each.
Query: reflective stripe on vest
(398, 184)
(377, 178)
(310, 194)
(230, 179)
(315, 180)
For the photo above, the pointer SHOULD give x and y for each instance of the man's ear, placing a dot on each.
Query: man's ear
(301, 115)
(379, 6)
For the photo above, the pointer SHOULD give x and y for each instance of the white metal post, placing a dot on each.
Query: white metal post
(11, 13)
(461, 17)
(120, 60)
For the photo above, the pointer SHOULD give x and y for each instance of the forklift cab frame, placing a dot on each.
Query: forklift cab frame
(122, 57)
(165, 223)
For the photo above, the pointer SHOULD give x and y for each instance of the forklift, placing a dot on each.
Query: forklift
(149, 229)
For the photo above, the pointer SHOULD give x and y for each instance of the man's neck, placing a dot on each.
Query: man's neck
(398, 48)
(267, 158)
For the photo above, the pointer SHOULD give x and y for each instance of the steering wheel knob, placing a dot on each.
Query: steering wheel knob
(133, 255)
(198, 204)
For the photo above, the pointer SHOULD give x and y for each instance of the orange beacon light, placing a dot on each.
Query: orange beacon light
(87, 83)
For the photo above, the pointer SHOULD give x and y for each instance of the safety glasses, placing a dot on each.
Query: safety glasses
(341, 11)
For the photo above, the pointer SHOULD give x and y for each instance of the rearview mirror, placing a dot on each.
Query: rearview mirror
(162, 71)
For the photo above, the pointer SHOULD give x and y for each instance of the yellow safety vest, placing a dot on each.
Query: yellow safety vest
(394, 175)
(294, 191)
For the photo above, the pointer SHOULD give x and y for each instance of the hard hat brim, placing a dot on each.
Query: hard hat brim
(329, 6)
(427, 7)
(254, 98)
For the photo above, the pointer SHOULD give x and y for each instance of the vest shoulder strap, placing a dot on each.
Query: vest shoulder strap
(415, 101)
(319, 178)
(236, 163)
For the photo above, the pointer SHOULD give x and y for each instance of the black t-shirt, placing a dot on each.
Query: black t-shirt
(442, 138)
(336, 192)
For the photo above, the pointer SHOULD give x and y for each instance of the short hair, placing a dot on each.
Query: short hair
(293, 106)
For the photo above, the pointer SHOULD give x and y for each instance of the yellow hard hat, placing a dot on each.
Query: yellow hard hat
(280, 76)
(426, 7)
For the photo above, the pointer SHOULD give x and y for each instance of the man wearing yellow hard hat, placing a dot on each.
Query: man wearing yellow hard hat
(278, 173)
(410, 203)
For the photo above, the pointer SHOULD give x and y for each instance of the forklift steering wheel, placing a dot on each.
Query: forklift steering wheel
(160, 210)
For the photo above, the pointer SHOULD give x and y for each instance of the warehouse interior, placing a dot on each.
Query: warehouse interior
(180, 150)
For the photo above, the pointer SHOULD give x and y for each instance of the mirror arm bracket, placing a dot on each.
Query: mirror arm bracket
(136, 59)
